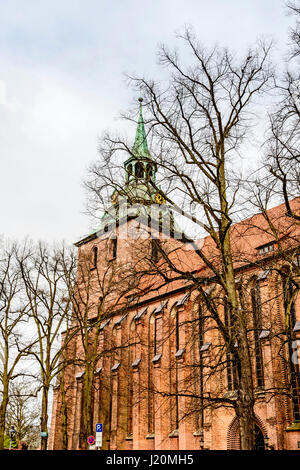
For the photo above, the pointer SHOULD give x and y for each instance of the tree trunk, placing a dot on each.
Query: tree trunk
(245, 400)
(44, 418)
(244, 380)
(87, 425)
(2, 418)
(64, 414)
(243, 372)
(3, 407)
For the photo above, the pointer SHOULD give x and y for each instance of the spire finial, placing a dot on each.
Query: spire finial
(141, 108)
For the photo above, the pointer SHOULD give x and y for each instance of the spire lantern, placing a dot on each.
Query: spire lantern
(140, 166)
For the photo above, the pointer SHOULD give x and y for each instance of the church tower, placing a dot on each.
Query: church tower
(139, 196)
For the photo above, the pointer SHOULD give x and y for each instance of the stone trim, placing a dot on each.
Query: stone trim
(116, 366)
(180, 353)
(140, 314)
(156, 358)
(205, 347)
(136, 363)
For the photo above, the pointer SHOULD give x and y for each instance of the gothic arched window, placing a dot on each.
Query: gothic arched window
(131, 357)
(94, 257)
(201, 368)
(113, 248)
(290, 314)
(173, 371)
(151, 353)
(256, 312)
(154, 250)
(231, 367)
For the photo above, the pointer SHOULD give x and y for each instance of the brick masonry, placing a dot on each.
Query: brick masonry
(149, 401)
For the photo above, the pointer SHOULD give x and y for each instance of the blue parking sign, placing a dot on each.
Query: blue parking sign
(99, 427)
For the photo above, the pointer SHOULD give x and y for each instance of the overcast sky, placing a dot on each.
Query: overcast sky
(62, 83)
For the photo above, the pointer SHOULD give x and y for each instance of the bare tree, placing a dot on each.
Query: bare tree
(293, 8)
(101, 290)
(12, 318)
(282, 157)
(197, 125)
(47, 274)
(22, 412)
(278, 181)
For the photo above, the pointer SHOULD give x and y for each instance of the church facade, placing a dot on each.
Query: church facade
(162, 378)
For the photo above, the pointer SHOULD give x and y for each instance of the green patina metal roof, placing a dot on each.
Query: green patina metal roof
(140, 147)
(140, 195)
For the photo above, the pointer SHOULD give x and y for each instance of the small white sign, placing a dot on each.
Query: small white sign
(99, 429)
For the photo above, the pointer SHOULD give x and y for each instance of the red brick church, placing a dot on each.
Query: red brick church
(162, 378)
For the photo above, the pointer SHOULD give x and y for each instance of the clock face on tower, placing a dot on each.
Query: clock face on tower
(114, 198)
(159, 198)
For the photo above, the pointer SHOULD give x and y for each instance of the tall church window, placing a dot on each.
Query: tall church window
(257, 325)
(290, 313)
(230, 362)
(157, 335)
(200, 343)
(94, 257)
(115, 358)
(131, 358)
(154, 250)
(150, 385)
(177, 330)
(113, 247)
(173, 369)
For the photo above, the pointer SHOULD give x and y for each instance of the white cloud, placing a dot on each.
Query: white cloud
(48, 136)
(2, 92)
(61, 85)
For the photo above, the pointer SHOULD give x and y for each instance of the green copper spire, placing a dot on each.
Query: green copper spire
(140, 147)
(140, 167)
